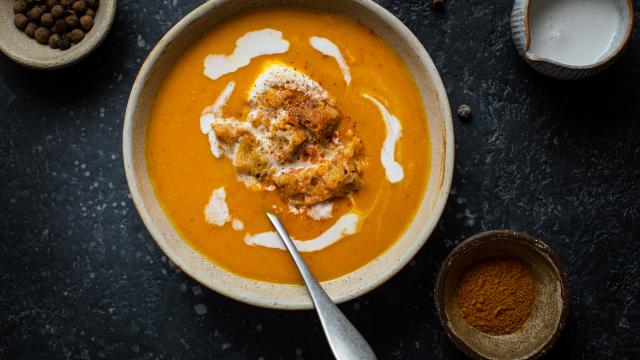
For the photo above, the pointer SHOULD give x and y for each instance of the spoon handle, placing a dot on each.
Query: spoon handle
(344, 339)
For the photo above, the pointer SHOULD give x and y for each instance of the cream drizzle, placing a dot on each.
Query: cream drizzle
(237, 225)
(251, 45)
(210, 113)
(327, 47)
(216, 212)
(345, 226)
(320, 211)
(392, 168)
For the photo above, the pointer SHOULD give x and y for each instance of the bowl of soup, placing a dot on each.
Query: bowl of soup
(330, 114)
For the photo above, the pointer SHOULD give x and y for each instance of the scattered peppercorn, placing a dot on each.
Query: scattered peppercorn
(86, 22)
(30, 30)
(58, 23)
(19, 7)
(437, 4)
(464, 112)
(21, 21)
(54, 40)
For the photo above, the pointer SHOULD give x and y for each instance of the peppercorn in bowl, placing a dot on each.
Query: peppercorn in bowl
(52, 34)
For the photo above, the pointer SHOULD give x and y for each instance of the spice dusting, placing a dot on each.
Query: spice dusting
(496, 295)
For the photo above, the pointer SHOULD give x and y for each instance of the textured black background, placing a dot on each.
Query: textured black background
(80, 276)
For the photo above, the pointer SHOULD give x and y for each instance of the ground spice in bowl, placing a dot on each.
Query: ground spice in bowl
(496, 295)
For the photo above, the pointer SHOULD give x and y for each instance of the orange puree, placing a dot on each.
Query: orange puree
(184, 172)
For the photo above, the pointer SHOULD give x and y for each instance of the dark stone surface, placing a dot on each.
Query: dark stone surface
(81, 278)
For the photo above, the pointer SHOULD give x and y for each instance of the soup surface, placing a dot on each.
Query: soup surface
(307, 114)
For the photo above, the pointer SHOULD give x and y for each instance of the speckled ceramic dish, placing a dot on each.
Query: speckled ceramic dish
(271, 295)
(28, 52)
(522, 39)
(550, 307)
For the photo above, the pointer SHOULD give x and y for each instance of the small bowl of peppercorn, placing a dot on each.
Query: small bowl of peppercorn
(502, 295)
(52, 34)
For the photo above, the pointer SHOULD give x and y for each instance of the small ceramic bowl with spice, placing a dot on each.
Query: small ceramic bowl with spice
(52, 34)
(502, 295)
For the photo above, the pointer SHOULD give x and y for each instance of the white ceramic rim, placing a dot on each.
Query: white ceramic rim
(294, 297)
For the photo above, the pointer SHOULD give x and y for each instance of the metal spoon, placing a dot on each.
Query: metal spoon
(344, 339)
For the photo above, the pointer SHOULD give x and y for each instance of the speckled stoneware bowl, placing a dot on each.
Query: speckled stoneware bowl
(28, 52)
(281, 296)
(522, 38)
(550, 307)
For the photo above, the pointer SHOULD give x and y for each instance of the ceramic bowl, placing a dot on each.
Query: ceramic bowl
(282, 296)
(550, 307)
(28, 52)
(522, 38)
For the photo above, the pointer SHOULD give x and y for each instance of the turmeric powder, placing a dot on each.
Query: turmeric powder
(496, 295)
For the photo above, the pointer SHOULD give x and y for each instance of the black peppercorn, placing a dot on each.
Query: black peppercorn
(76, 35)
(30, 30)
(71, 21)
(79, 6)
(59, 27)
(35, 14)
(57, 11)
(437, 4)
(86, 22)
(42, 35)
(20, 21)
(64, 44)
(58, 23)
(464, 112)
(54, 41)
(46, 19)
(19, 7)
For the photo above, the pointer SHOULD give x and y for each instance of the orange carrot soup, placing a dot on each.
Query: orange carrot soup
(307, 114)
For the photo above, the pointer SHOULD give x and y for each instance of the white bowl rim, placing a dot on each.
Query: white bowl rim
(232, 292)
